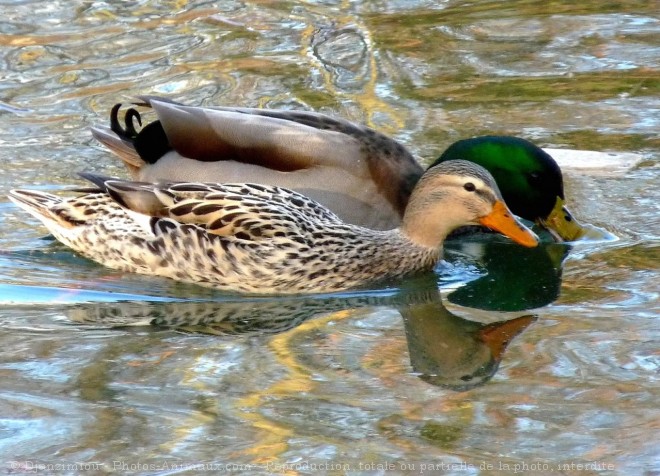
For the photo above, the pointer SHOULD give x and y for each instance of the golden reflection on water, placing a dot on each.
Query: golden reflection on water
(272, 441)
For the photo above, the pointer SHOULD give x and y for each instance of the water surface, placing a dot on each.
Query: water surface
(375, 382)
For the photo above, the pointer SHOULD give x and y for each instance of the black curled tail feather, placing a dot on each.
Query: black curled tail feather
(128, 131)
(150, 142)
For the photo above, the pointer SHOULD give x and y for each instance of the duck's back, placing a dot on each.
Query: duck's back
(362, 175)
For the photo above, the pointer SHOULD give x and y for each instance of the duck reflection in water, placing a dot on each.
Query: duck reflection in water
(450, 351)
(445, 349)
(513, 279)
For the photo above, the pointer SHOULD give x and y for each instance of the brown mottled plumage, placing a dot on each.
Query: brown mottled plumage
(263, 239)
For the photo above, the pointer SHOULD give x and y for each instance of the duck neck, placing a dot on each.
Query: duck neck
(413, 255)
(428, 226)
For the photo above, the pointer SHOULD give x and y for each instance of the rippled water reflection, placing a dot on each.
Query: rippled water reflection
(391, 377)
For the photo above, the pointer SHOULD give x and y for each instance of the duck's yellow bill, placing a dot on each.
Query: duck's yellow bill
(501, 219)
(561, 224)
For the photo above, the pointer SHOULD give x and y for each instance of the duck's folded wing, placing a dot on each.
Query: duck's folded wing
(328, 154)
(277, 141)
(245, 211)
(362, 175)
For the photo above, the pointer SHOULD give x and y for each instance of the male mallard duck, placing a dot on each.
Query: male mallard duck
(360, 174)
(265, 239)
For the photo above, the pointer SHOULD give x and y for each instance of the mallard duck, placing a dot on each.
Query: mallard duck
(360, 174)
(264, 239)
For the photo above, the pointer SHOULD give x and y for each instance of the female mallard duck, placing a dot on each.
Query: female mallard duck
(361, 175)
(265, 239)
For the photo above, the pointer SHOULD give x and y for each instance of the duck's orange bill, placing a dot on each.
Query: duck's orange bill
(502, 220)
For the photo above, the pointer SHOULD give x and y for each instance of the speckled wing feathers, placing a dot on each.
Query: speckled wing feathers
(245, 211)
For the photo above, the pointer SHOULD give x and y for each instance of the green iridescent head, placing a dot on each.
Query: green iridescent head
(529, 179)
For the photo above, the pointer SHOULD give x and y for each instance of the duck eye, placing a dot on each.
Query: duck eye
(470, 187)
(535, 177)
